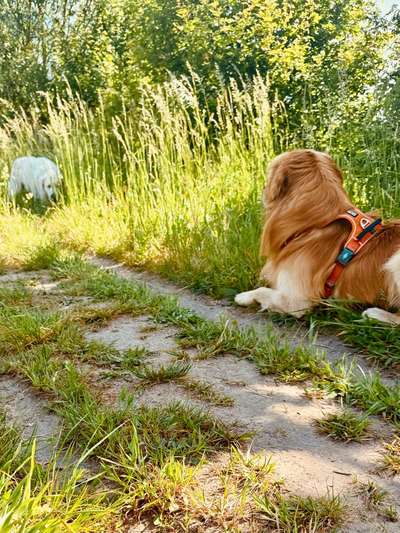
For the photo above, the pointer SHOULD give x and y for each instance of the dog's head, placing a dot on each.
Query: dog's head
(304, 191)
(50, 184)
(299, 173)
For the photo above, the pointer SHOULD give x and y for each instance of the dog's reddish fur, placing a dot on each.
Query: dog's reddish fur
(303, 196)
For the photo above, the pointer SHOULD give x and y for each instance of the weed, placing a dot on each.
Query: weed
(296, 513)
(374, 495)
(15, 296)
(97, 317)
(391, 456)
(346, 426)
(206, 392)
(162, 373)
(389, 513)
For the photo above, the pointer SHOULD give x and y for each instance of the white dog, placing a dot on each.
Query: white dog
(37, 175)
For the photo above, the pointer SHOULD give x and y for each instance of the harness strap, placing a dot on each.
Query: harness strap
(363, 229)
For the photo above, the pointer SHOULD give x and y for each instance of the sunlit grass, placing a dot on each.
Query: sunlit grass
(170, 186)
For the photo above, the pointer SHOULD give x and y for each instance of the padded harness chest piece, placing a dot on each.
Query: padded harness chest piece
(363, 229)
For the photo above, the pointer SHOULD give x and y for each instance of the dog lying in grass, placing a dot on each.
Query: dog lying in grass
(36, 175)
(318, 244)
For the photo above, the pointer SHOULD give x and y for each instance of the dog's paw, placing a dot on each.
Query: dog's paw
(245, 298)
(381, 315)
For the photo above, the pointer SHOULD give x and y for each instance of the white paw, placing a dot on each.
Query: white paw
(245, 298)
(381, 315)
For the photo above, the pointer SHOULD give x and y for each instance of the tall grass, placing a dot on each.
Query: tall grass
(172, 186)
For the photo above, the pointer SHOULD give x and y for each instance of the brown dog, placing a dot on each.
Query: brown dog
(302, 238)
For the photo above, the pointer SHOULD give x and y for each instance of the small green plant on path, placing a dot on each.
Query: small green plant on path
(391, 457)
(296, 513)
(346, 426)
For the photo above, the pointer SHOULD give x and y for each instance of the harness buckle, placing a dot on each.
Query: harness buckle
(345, 256)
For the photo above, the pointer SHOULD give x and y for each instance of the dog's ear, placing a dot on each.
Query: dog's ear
(276, 187)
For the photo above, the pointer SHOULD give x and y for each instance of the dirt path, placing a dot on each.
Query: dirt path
(211, 309)
(280, 416)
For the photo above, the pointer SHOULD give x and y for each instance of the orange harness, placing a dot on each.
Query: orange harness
(363, 229)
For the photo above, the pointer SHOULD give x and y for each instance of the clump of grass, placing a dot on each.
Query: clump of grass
(98, 317)
(206, 392)
(42, 257)
(162, 373)
(296, 513)
(346, 426)
(22, 328)
(128, 360)
(391, 457)
(39, 366)
(231, 488)
(246, 468)
(389, 513)
(37, 498)
(15, 296)
(375, 498)
(370, 393)
(373, 494)
(291, 364)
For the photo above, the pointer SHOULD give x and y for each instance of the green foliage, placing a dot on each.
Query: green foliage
(308, 50)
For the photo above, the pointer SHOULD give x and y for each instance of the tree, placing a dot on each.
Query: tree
(306, 47)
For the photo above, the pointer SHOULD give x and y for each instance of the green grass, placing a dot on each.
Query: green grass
(11, 446)
(346, 426)
(157, 188)
(379, 342)
(377, 398)
(15, 296)
(36, 497)
(21, 329)
(162, 373)
(296, 514)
